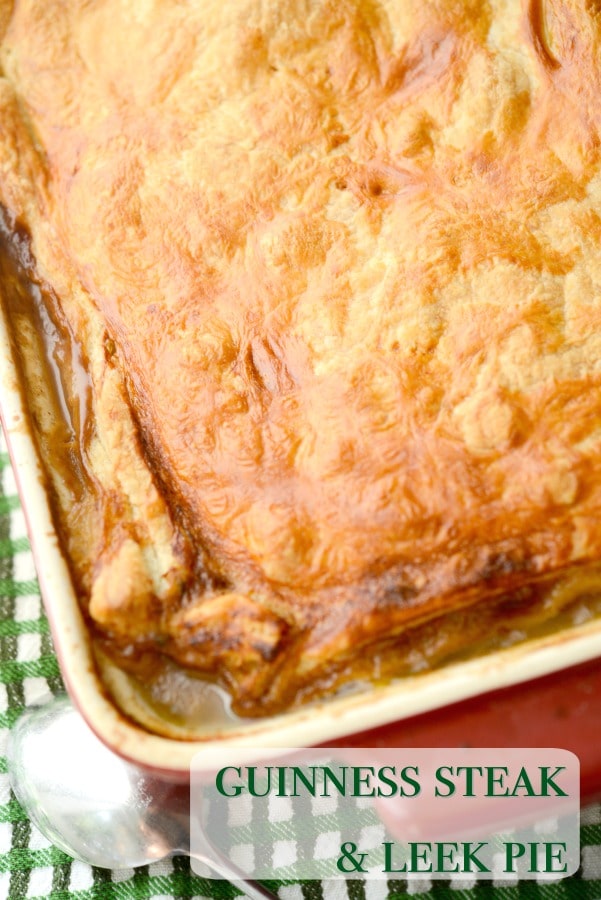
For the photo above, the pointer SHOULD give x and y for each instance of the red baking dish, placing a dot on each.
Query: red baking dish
(419, 710)
(558, 710)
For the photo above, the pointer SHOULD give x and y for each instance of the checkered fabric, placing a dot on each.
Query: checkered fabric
(31, 867)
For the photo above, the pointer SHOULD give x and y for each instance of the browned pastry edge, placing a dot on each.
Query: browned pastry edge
(290, 672)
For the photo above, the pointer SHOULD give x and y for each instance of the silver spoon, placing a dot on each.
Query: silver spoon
(95, 806)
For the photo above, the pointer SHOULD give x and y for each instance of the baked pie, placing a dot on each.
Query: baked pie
(307, 301)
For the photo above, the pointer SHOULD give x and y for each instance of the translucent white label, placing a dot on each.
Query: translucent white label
(388, 813)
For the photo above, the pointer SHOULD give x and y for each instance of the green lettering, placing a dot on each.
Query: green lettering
(418, 856)
(513, 851)
(360, 780)
(385, 779)
(388, 861)
(547, 782)
(253, 786)
(445, 781)
(340, 784)
(469, 857)
(555, 855)
(299, 775)
(523, 783)
(411, 781)
(469, 778)
(493, 780)
(236, 789)
(443, 855)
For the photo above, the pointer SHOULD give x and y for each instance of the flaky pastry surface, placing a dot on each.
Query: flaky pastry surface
(335, 268)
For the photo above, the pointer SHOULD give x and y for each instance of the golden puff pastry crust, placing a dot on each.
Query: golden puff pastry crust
(330, 273)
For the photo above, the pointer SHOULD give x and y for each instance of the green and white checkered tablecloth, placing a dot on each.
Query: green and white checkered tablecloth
(31, 867)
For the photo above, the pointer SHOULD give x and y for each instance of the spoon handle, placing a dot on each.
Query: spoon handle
(228, 870)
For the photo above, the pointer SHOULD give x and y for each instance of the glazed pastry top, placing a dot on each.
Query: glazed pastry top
(335, 271)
